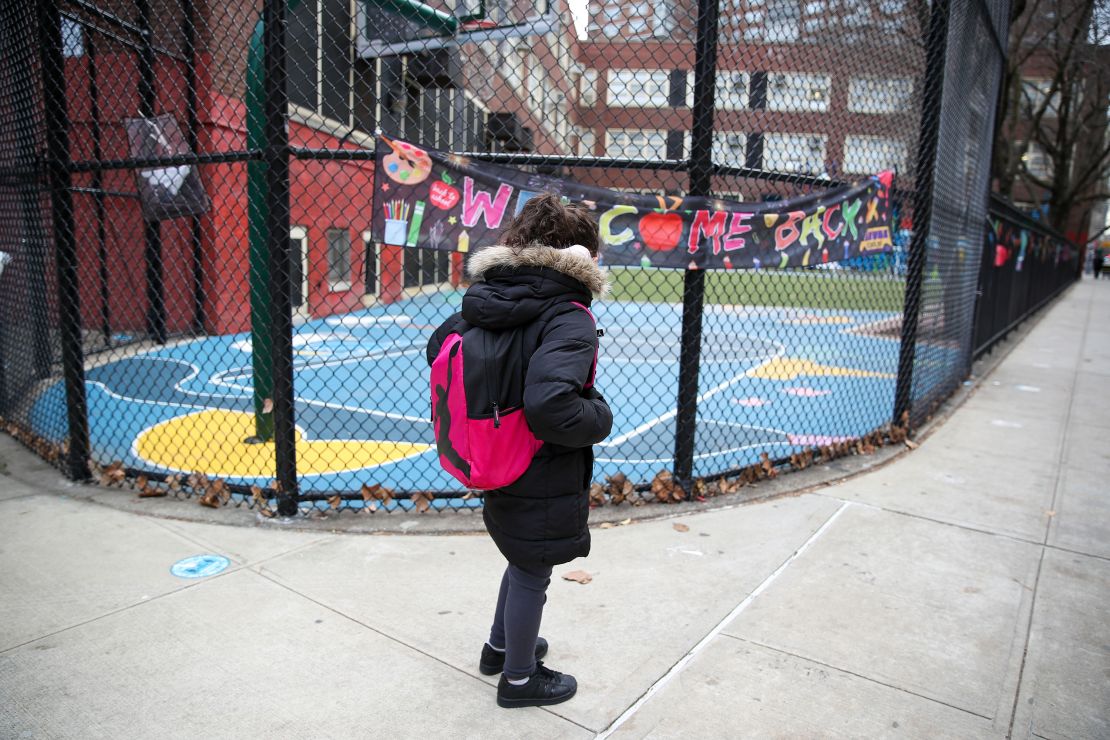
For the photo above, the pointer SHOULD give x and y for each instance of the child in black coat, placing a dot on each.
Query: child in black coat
(538, 283)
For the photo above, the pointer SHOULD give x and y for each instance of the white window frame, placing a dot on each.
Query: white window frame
(338, 286)
(587, 90)
(798, 153)
(880, 95)
(730, 148)
(300, 234)
(732, 90)
(645, 150)
(870, 154)
(1034, 90)
(638, 88)
(758, 24)
(798, 92)
(73, 38)
(1036, 160)
(370, 245)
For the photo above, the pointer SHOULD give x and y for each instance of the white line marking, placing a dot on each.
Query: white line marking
(681, 664)
(708, 394)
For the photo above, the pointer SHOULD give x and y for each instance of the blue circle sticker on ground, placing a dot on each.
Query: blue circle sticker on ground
(199, 566)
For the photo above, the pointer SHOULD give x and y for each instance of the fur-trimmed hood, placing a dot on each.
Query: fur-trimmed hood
(537, 255)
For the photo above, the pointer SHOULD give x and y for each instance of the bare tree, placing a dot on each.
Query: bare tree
(1051, 144)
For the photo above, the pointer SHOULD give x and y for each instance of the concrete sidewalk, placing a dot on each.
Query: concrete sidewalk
(960, 591)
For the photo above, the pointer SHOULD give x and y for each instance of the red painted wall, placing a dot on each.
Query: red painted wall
(324, 195)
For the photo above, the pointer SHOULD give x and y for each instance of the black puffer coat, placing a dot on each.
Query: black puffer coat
(541, 518)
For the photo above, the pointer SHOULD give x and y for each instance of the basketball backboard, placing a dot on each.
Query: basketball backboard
(394, 27)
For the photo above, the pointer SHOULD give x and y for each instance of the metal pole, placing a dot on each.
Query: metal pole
(152, 231)
(36, 333)
(935, 48)
(65, 243)
(258, 265)
(192, 126)
(693, 293)
(98, 195)
(276, 110)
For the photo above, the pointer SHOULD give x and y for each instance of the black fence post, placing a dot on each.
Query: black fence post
(276, 112)
(21, 23)
(152, 230)
(935, 52)
(192, 125)
(98, 194)
(693, 289)
(76, 460)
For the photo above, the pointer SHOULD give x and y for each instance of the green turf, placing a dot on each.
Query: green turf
(831, 289)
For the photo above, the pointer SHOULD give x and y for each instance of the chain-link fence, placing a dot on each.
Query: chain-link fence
(1024, 266)
(199, 299)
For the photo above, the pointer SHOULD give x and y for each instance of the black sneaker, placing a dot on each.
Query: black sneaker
(544, 687)
(493, 662)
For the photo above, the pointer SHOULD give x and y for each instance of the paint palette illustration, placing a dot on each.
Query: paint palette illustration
(406, 164)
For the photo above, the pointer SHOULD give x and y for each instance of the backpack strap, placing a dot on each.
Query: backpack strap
(600, 333)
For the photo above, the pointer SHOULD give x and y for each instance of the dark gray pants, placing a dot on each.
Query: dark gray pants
(516, 623)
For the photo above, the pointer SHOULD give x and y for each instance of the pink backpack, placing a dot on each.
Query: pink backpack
(482, 436)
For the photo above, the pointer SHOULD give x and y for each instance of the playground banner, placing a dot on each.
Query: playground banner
(433, 200)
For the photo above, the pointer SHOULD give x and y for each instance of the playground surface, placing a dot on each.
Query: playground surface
(773, 379)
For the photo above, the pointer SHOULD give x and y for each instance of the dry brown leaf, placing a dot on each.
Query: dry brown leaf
(174, 482)
(420, 501)
(257, 496)
(335, 501)
(220, 488)
(606, 525)
(376, 492)
(616, 482)
(578, 576)
(597, 495)
(266, 513)
(142, 483)
(625, 522)
(113, 474)
(767, 466)
(1050, 513)
(911, 444)
(267, 405)
(666, 489)
(469, 495)
(209, 499)
(680, 527)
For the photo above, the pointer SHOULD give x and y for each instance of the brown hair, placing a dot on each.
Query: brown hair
(546, 220)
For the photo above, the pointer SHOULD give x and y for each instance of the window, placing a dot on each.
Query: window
(339, 259)
(1035, 160)
(586, 143)
(871, 154)
(73, 38)
(729, 148)
(1034, 94)
(633, 20)
(803, 153)
(797, 92)
(636, 143)
(880, 94)
(731, 90)
(371, 279)
(588, 87)
(765, 21)
(298, 265)
(639, 88)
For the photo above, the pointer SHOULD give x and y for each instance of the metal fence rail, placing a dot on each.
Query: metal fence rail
(198, 301)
